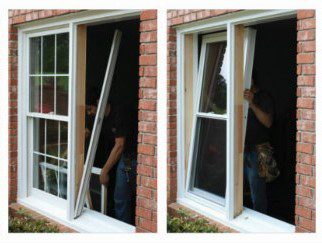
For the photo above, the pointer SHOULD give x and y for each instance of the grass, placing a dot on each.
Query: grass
(24, 223)
(187, 223)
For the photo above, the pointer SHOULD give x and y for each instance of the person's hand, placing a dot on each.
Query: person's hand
(104, 178)
(249, 96)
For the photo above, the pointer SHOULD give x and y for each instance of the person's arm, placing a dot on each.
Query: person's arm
(265, 118)
(114, 156)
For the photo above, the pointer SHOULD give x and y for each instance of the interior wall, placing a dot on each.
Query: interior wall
(124, 89)
(275, 65)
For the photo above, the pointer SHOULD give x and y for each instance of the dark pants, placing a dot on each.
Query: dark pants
(257, 184)
(125, 192)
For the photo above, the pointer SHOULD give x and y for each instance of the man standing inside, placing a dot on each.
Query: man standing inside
(260, 119)
(120, 149)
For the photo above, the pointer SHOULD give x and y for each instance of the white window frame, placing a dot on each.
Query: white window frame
(63, 212)
(249, 220)
(207, 39)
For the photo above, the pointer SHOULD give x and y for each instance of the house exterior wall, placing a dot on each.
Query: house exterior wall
(305, 149)
(146, 215)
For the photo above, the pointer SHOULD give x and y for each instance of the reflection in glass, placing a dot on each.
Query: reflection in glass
(48, 94)
(35, 55)
(210, 156)
(95, 192)
(48, 60)
(62, 53)
(52, 138)
(62, 179)
(39, 135)
(35, 94)
(63, 140)
(62, 95)
(214, 88)
(38, 176)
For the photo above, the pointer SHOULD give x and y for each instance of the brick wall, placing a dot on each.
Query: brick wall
(305, 169)
(146, 207)
(146, 216)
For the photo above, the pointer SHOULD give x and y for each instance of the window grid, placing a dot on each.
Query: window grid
(51, 116)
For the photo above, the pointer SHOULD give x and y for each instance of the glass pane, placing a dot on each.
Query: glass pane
(35, 94)
(35, 55)
(62, 96)
(62, 53)
(39, 135)
(210, 156)
(95, 192)
(48, 60)
(52, 138)
(63, 140)
(214, 81)
(51, 169)
(38, 176)
(48, 94)
(62, 179)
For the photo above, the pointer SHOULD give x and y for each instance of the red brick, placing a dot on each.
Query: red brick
(303, 212)
(304, 148)
(148, 14)
(147, 105)
(304, 14)
(306, 35)
(307, 224)
(304, 169)
(148, 36)
(144, 213)
(307, 24)
(306, 80)
(148, 60)
(148, 25)
(308, 69)
(304, 191)
(146, 149)
(307, 103)
(305, 58)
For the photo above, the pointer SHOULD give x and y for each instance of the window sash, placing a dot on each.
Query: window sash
(31, 116)
(211, 38)
(249, 44)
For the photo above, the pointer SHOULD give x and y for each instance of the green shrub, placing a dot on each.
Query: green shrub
(24, 223)
(186, 223)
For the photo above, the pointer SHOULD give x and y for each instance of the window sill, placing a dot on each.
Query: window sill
(89, 222)
(249, 221)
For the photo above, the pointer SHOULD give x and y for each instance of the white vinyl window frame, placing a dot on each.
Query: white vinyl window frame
(207, 39)
(249, 220)
(56, 208)
(30, 117)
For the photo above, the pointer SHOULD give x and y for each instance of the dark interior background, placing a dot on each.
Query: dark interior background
(125, 84)
(275, 65)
